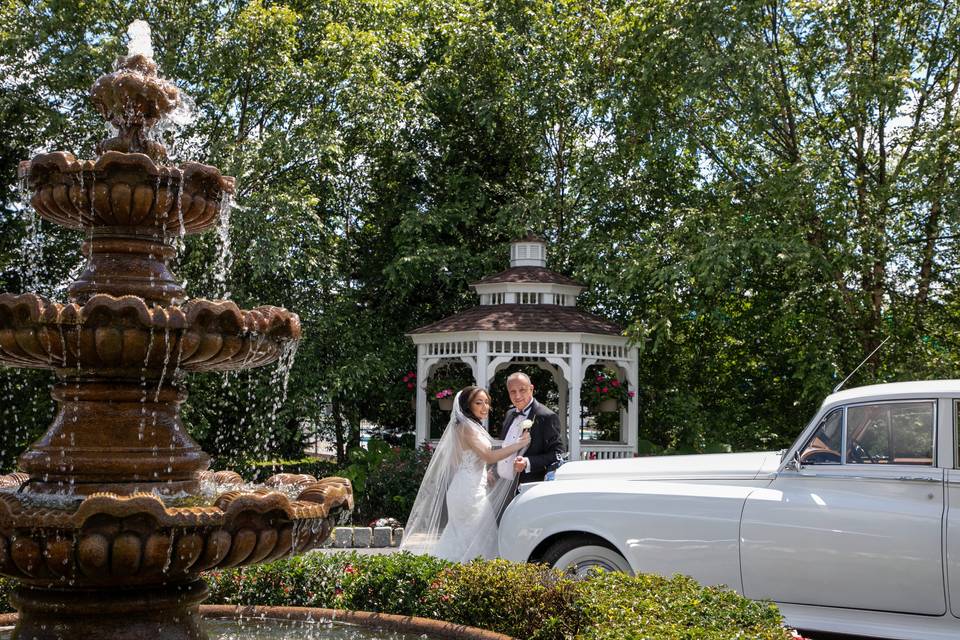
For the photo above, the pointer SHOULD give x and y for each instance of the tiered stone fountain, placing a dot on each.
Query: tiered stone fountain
(106, 531)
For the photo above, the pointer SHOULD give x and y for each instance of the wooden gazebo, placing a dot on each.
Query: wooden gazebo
(528, 315)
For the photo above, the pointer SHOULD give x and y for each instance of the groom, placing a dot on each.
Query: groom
(545, 445)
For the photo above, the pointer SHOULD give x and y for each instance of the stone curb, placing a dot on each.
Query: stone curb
(364, 538)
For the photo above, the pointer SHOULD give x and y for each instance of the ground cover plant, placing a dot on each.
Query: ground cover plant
(529, 602)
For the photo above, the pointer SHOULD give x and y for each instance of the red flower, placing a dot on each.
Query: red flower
(349, 569)
(606, 389)
(631, 394)
(615, 382)
(338, 591)
(409, 385)
(598, 389)
(412, 375)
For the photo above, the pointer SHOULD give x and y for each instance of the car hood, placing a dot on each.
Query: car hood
(711, 466)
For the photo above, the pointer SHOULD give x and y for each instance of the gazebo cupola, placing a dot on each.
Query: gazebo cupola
(528, 315)
(528, 281)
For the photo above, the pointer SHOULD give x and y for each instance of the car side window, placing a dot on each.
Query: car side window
(826, 443)
(890, 433)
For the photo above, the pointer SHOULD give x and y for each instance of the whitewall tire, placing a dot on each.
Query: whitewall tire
(579, 555)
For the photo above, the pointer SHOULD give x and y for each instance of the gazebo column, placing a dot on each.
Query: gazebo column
(563, 390)
(633, 407)
(576, 376)
(422, 410)
(480, 376)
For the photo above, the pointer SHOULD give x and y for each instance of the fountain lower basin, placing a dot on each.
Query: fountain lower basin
(223, 622)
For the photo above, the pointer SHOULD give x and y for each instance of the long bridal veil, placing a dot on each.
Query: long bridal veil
(439, 507)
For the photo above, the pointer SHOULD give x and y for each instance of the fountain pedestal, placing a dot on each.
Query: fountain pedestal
(171, 613)
(121, 437)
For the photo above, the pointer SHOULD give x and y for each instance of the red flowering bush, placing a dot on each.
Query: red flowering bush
(604, 385)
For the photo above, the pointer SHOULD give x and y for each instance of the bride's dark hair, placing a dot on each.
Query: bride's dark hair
(467, 395)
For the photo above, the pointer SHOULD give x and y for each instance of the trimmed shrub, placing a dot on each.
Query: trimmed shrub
(526, 601)
(620, 607)
(260, 470)
(521, 600)
(396, 583)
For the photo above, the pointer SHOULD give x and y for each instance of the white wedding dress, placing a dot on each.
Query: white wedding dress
(455, 513)
(471, 529)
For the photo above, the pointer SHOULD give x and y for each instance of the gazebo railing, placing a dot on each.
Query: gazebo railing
(593, 450)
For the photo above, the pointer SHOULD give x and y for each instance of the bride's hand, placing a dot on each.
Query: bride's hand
(524, 440)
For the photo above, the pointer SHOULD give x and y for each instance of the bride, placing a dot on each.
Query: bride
(454, 516)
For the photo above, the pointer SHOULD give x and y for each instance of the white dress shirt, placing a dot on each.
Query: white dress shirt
(505, 466)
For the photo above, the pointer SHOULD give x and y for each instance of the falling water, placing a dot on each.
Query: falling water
(224, 257)
(166, 361)
(31, 247)
(143, 385)
(182, 231)
(281, 377)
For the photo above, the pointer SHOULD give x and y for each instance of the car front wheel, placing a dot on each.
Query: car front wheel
(579, 555)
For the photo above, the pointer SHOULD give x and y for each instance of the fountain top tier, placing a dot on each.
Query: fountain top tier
(129, 187)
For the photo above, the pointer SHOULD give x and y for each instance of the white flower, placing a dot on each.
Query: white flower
(526, 424)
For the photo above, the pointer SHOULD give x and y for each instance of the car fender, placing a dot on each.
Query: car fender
(659, 527)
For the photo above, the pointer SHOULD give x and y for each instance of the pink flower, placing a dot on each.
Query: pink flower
(615, 382)
(599, 378)
(411, 374)
(606, 389)
(630, 394)
(409, 385)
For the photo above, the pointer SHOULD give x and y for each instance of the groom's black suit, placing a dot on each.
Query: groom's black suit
(545, 444)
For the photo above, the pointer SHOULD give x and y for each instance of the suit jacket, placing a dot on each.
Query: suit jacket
(545, 443)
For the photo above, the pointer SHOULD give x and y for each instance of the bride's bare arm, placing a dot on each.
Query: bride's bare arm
(490, 455)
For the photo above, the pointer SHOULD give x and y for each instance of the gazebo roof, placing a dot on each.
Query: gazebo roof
(539, 275)
(545, 318)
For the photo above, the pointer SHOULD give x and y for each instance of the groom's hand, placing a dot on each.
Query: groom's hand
(519, 464)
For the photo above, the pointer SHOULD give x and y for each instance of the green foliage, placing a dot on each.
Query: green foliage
(520, 600)
(758, 199)
(385, 479)
(394, 584)
(525, 601)
(650, 606)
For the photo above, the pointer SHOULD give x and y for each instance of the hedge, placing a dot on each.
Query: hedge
(526, 601)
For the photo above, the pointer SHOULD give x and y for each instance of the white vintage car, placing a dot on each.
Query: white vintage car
(854, 529)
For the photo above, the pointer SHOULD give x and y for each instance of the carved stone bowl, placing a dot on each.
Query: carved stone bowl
(124, 337)
(111, 539)
(126, 190)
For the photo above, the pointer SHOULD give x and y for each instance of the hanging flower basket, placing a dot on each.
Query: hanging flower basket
(605, 392)
(608, 405)
(445, 404)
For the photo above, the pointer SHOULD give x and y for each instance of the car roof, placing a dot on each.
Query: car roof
(914, 388)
